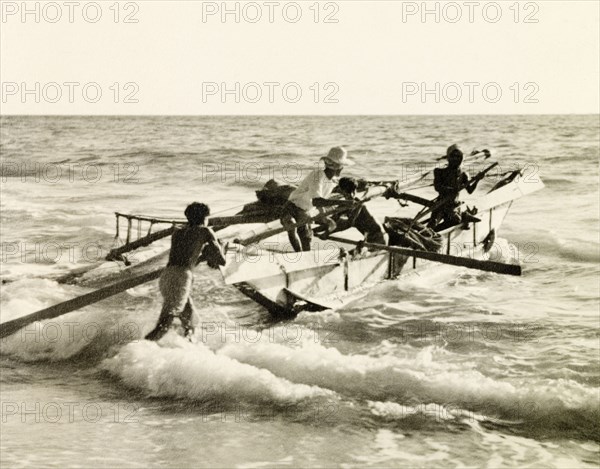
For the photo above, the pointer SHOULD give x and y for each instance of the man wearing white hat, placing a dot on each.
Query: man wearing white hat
(318, 184)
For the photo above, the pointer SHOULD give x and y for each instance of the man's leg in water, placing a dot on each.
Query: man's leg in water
(189, 318)
(164, 323)
(175, 284)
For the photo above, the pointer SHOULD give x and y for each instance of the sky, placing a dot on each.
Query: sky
(298, 58)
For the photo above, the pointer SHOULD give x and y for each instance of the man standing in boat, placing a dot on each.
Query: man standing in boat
(318, 184)
(187, 245)
(448, 182)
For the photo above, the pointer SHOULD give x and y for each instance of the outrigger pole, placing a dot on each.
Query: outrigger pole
(488, 266)
(10, 327)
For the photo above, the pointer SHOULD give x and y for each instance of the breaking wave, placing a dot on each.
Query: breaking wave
(193, 371)
(416, 378)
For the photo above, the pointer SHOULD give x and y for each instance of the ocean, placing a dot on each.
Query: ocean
(448, 368)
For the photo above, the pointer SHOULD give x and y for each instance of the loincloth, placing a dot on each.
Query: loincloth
(175, 286)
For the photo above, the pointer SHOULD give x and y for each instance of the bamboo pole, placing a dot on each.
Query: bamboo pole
(10, 327)
(488, 266)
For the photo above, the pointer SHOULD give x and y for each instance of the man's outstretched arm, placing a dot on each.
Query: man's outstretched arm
(212, 252)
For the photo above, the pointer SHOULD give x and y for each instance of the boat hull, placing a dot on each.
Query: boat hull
(329, 278)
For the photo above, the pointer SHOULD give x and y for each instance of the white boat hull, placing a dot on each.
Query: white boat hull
(328, 278)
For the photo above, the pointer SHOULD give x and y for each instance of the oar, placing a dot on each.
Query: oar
(488, 266)
(10, 327)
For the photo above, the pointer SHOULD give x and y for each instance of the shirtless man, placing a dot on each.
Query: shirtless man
(187, 244)
(448, 182)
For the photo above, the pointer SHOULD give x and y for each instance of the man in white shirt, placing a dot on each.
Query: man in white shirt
(318, 184)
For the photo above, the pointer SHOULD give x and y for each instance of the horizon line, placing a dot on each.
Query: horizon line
(301, 115)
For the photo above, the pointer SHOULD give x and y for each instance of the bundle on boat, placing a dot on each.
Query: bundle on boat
(407, 233)
(271, 198)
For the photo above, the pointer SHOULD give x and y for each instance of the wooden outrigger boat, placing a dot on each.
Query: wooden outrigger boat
(328, 277)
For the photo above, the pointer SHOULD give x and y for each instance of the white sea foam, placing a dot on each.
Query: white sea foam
(184, 370)
(412, 375)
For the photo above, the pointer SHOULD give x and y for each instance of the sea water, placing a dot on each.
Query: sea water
(447, 367)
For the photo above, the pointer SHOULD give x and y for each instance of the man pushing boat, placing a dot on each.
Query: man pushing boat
(318, 184)
(189, 245)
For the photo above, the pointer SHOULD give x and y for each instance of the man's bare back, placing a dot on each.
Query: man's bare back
(187, 245)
